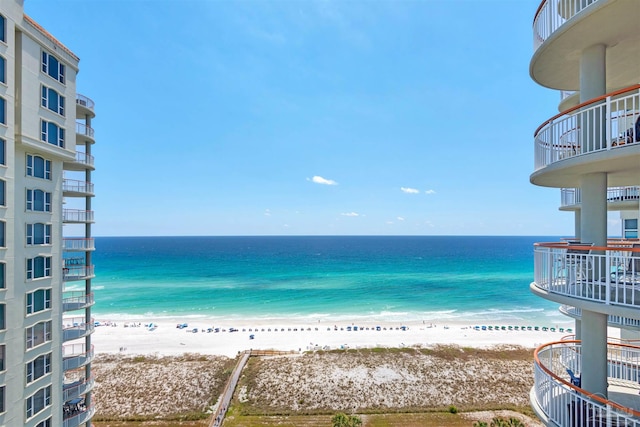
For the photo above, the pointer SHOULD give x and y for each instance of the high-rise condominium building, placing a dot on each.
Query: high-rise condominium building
(45, 229)
(590, 51)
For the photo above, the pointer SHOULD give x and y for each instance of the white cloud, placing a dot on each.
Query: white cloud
(430, 191)
(267, 212)
(350, 214)
(400, 218)
(409, 190)
(320, 180)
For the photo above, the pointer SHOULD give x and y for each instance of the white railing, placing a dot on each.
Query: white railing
(607, 275)
(617, 321)
(77, 418)
(75, 186)
(84, 158)
(77, 272)
(83, 129)
(75, 215)
(552, 14)
(77, 388)
(75, 355)
(76, 300)
(78, 244)
(573, 196)
(565, 404)
(85, 101)
(76, 327)
(564, 94)
(601, 124)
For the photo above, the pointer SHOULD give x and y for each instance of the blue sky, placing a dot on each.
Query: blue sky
(314, 117)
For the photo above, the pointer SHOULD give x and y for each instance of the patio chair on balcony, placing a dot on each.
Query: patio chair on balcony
(577, 261)
(628, 274)
(576, 381)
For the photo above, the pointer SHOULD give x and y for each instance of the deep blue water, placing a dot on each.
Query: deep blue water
(379, 277)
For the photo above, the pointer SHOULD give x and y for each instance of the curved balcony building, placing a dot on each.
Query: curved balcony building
(590, 150)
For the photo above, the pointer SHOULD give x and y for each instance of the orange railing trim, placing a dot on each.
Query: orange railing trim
(578, 389)
(562, 245)
(542, 3)
(584, 104)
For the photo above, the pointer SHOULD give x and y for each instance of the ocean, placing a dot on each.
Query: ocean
(312, 278)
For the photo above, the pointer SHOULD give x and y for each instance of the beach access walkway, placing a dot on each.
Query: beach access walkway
(218, 416)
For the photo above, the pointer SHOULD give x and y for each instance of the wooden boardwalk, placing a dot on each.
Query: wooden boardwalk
(218, 417)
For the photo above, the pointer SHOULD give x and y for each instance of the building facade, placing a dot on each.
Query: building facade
(45, 229)
(590, 51)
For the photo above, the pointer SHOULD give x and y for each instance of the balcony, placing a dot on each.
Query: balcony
(82, 162)
(565, 144)
(71, 273)
(74, 328)
(563, 29)
(78, 244)
(84, 134)
(559, 402)
(75, 188)
(73, 418)
(75, 356)
(617, 197)
(603, 279)
(615, 321)
(76, 300)
(84, 106)
(75, 216)
(77, 388)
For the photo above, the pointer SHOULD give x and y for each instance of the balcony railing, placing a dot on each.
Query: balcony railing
(77, 388)
(601, 124)
(76, 300)
(84, 158)
(566, 404)
(573, 196)
(77, 272)
(616, 321)
(75, 215)
(75, 186)
(82, 129)
(551, 14)
(76, 327)
(85, 101)
(75, 356)
(609, 276)
(78, 244)
(77, 418)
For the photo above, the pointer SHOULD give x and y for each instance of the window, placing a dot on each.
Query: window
(38, 334)
(52, 133)
(52, 100)
(38, 367)
(2, 275)
(45, 423)
(38, 267)
(3, 29)
(39, 167)
(3, 152)
(38, 200)
(38, 234)
(2, 317)
(631, 228)
(3, 229)
(3, 70)
(2, 399)
(3, 111)
(52, 67)
(2, 193)
(2, 357)
(38, 301)
(38, 401)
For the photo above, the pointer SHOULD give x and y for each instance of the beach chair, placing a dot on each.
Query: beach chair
(576, 381)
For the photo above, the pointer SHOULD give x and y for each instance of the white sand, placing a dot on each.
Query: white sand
(166, 339)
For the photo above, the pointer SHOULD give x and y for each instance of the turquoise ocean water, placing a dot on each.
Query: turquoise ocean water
(430, 278)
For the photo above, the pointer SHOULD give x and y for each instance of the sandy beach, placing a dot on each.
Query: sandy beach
(229, 338)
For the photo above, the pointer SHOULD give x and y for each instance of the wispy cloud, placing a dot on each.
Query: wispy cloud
(350, 214)
(267, 212)
(409, 190)
(430, 192)
(400, 218)
(324, 181)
